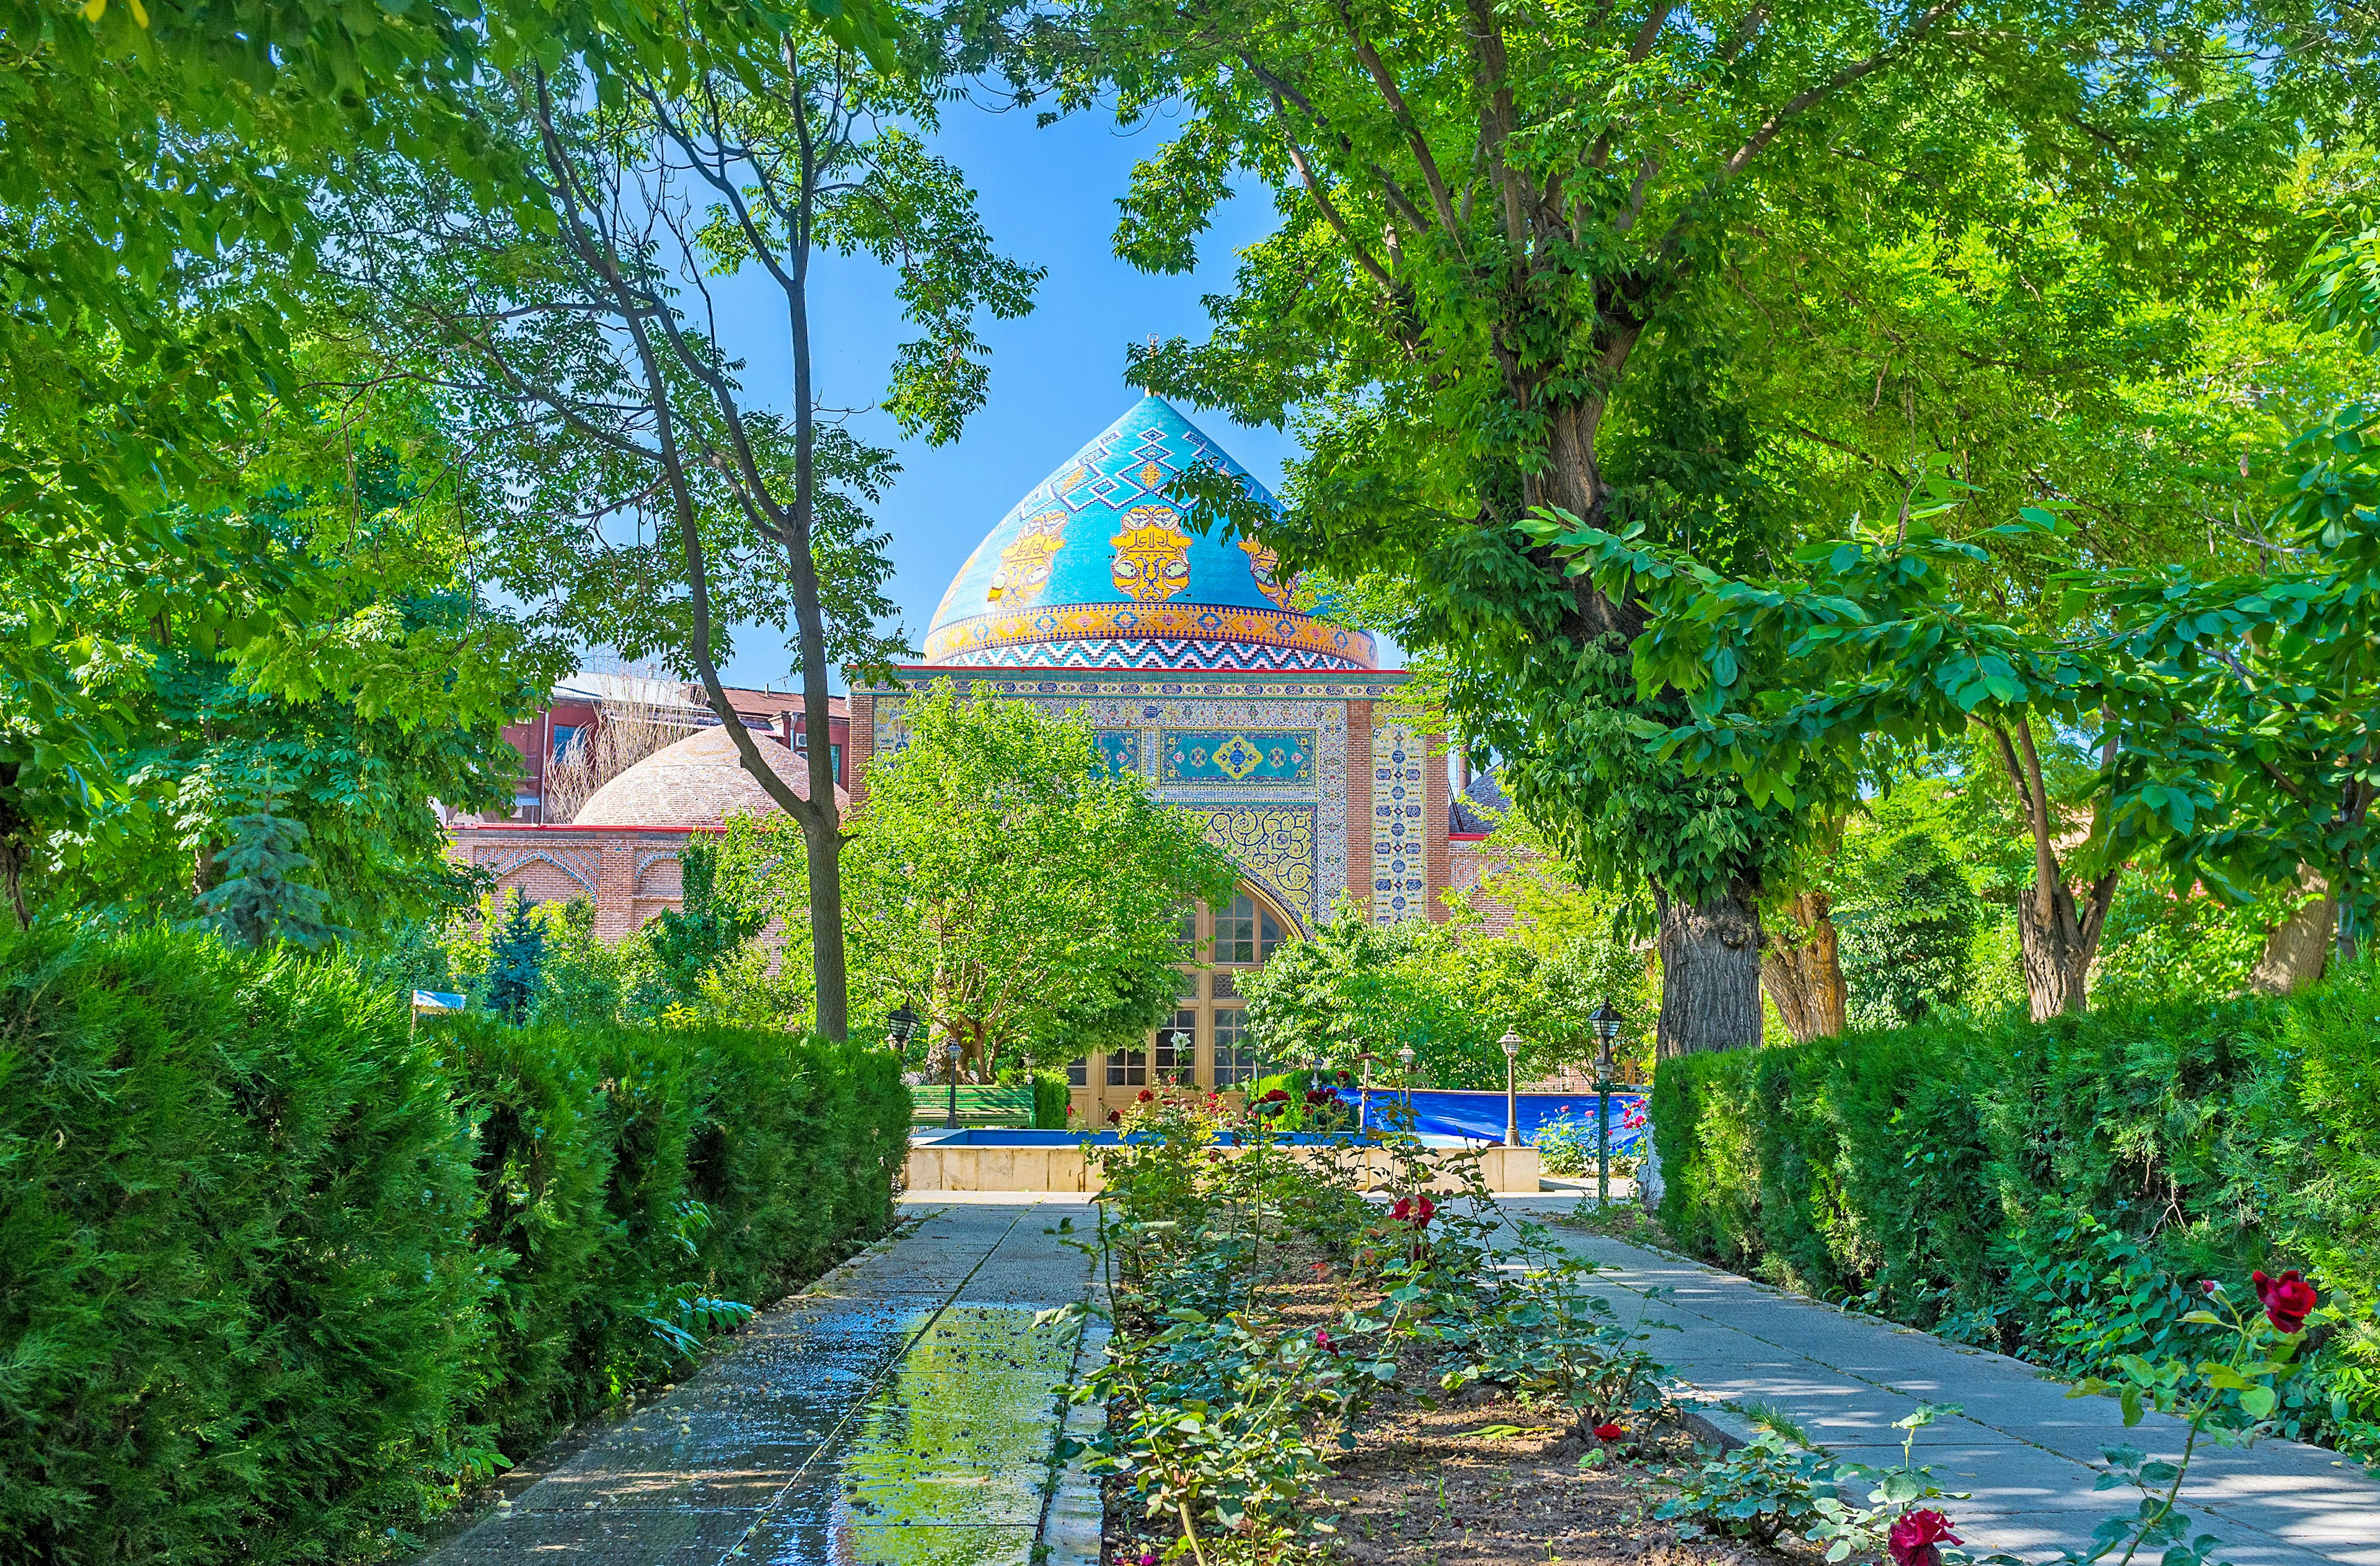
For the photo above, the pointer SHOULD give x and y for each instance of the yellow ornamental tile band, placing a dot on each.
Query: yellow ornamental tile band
(1183, 621)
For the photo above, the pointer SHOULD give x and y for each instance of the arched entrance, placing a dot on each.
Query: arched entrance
(1205, 1044)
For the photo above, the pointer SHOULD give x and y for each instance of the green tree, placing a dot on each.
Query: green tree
(515, 959)
(1021, 895)
(1908, 919)
(1522, 252)
(364, 679)
(1447, 993)
(578, 337)
(262, 898)
(2229, 718)
(161, 204)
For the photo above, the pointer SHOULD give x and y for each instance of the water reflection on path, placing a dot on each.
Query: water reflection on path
(903, 1415)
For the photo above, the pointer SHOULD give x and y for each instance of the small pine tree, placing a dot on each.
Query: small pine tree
(516, 956)
(260, 900)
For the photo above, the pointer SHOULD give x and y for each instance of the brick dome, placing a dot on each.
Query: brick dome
(697, 781)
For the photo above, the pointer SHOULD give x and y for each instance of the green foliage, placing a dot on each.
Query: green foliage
(1766, 1491)
(2054, 1190)
(632, 1174)
(515, 959)
(1763, 1492)
(335, 655)
(2166, 944)
(1717, 280)
(277, 1275)
(1448, 994)
(260, 898)
(688, 941)
(1222, 1415)
(1907, 920)
(1022, 897)
(240, 1300)
(1051, 1097)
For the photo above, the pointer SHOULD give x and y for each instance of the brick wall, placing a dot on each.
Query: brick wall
(629, 873)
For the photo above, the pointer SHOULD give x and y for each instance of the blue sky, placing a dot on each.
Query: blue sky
(1048, 198)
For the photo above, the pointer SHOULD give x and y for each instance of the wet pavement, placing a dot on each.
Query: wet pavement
(901, 1413)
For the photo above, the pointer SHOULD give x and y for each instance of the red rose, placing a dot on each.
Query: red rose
(1145, 1096)
(1608, 1432)
(1913, 1537)
(1277, 1095)
(1070, 1109)
(1116, 1117)
(1416, 1211)
(2286, 1299)
(1322, 1341)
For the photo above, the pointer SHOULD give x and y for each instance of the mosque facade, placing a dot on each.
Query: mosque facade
(1193, 665)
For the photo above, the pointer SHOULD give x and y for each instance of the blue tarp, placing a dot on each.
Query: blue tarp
(1479, 1117)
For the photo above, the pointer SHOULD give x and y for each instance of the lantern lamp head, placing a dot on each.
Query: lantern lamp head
(1607, 1022)
(901, 1024)
(1511, 1043)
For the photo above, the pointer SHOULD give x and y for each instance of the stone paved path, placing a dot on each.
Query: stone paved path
(899, 1413)
(2024, 1452)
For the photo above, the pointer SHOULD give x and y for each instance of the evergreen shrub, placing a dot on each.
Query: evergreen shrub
(276, 1274)
(1051, 1094)
(2054, 1190)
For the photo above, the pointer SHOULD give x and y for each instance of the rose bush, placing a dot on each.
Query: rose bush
(1222, 1416)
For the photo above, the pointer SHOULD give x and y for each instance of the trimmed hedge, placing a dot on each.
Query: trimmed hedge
(2054, 1190)
(276, 1275)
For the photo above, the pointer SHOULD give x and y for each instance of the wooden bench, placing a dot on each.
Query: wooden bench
(930, 1104)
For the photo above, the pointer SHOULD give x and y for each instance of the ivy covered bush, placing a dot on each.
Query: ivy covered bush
(278, 1274)
(2055, 1190)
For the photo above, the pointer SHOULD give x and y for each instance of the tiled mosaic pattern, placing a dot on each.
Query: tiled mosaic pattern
(1283, 756)
(1399, 838)
(1287, 832)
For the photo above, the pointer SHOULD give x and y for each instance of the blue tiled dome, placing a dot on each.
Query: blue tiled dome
(1095, 569)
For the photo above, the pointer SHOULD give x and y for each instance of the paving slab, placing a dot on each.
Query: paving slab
(904, 1411)
(2025, 1453)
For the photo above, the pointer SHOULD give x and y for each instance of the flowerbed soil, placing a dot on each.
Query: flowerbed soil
(1426, 1487)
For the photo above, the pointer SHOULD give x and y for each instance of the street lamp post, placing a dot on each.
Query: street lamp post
(1364, 1091)
(950, 1055)
(1606, 1029)
(1404, 1080)
(1511, 1043)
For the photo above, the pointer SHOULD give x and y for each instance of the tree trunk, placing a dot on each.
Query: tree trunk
(16, 846)
(2298, 946)
(1803, 972)
(2060, 939)
(1710, 973)
(823, 828)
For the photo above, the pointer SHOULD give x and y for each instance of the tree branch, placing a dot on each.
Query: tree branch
(1379, 70)
(1800, 103)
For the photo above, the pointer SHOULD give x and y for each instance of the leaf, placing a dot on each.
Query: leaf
(2257, 1401)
